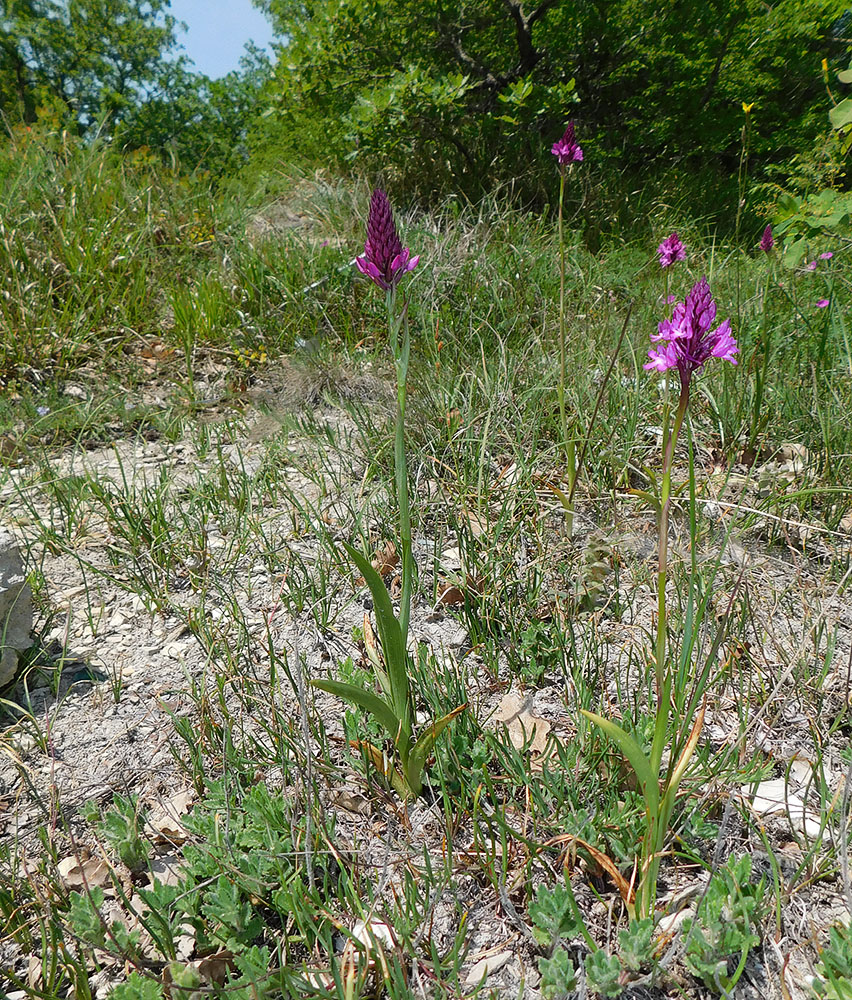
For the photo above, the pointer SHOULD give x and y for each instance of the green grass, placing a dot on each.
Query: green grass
(146, 298)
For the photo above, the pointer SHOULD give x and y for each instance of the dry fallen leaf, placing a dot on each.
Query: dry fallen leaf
(163, 822)
(351, 801)
(524, 728)
(773, 798)
(77, 873)
(449, 595)
(485, 966)
(166, 869)
(385, 560)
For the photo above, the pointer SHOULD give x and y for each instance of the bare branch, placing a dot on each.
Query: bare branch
(529, 55)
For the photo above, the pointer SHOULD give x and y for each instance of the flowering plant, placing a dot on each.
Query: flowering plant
(685, 342)
(567, 152)
(385, 262)
(567, 149)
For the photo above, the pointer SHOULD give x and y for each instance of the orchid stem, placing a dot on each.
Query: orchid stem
(401, 342)
(568, 443)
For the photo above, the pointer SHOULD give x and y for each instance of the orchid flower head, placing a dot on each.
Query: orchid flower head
(686, 341)
(385, 260)
(567, 149)
(671, 250)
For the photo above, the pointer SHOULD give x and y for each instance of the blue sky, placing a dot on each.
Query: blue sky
(218, 30)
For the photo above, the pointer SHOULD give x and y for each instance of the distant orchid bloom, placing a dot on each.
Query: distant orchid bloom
(826, 256)
(812, 266)
(566, 149)
(385, 260)
(767, 241)
(686, 340)
(822, 303)
(671, 250)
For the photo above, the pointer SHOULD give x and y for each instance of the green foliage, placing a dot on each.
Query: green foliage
(200, 123)
(140, 988)
(84, 61)
(635, 944)
(555, 915)
(90, 926)
(604, 974)
(448, 100)
(558, 975)
(232, 918)
(725, 926)
(394, 711)
(110, 66)
(121, 826)
(85, 919)
(834, 973)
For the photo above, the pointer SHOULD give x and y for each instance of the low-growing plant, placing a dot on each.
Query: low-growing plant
(834, 973)
(725, 927)
(557, 919)
(121, 826)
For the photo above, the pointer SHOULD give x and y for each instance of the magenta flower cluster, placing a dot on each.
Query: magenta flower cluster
(686, 340)
(566, 149)
(671, 250)
(767, 241)
(385, 260)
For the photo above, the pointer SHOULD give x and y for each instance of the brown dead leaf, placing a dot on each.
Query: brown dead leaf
(214, 968)
(385, 560)
(524, 728)
(449, 595)
(624, 887)
(163, 821)
(478, 523)
(35, 972)
(352, 801)
(79, 873)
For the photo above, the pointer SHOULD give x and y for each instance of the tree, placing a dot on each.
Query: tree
(94, 60)
(466, 96)
(203, 123)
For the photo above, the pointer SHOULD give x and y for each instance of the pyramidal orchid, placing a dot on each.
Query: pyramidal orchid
(567, 152)
(567, 149)
(671, 250)
(687, 341)
(385, 260)
(767, 241)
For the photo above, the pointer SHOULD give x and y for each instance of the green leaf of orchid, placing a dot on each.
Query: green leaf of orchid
(426, 741)
(635, 755)
(390, 636)
(372, 703)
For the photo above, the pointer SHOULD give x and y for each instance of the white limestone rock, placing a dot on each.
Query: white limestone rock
(16, 607)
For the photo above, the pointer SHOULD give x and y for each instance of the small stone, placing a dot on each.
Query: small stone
(486, 966)
(16, 607)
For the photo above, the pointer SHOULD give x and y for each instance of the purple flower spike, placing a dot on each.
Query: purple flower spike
(385, 260)
(822, 303)
(686, 340)
(671, 250)
(767, 241)
(826, 256)
(566, 149)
